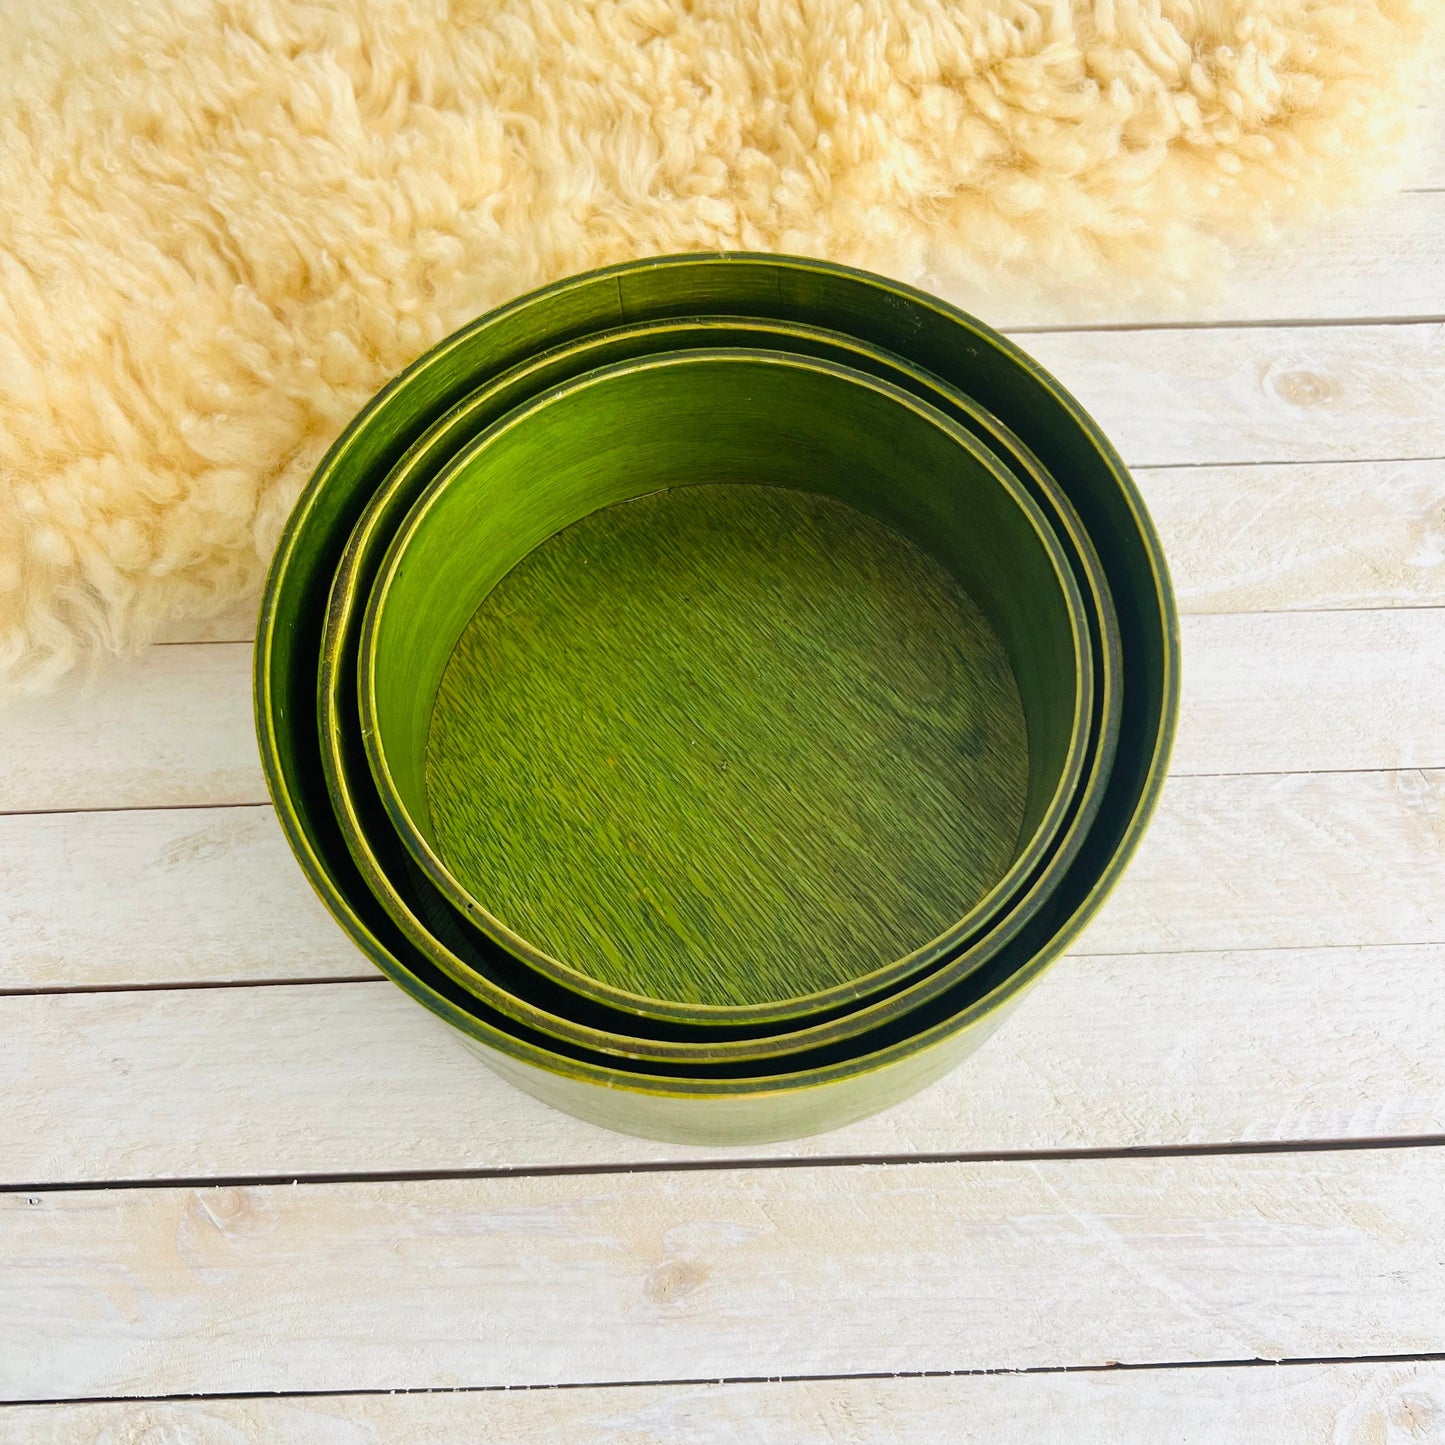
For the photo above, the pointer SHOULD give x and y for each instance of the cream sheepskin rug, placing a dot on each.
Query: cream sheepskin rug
(225, 223)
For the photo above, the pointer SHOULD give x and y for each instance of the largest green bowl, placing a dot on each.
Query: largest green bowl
(818, 1091)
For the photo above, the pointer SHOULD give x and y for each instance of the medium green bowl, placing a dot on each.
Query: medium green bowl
(665, 423)
(817, 1092)
(437, 930)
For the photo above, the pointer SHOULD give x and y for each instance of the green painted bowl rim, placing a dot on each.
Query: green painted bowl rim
(275, 633)
(1027, 859)
(350, 590)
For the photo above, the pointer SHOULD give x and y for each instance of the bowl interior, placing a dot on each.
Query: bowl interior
(781, 674)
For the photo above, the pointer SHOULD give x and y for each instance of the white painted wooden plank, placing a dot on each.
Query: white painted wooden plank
(172, 727)
(721, 1273)
(1351, 1404)
(1284, 861)
(1304, 393)
(192, 895)
(1305, 536)
(1380, 260)
(143, 897)
(1312, 690)
(1252, 538)
(1385, 258)
(1262, 693)
(1108, 1052)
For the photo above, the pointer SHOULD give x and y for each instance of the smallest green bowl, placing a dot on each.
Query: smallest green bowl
(771, 736)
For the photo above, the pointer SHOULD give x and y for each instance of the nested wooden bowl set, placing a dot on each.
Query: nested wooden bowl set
(718, 686)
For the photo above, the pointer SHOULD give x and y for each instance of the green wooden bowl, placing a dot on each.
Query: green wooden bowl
(737, 744)
(437, 930)
(807, 1093)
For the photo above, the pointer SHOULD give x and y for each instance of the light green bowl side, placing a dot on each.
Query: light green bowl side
(762, 1117)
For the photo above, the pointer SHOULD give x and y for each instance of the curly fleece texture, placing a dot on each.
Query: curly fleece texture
(227, 222)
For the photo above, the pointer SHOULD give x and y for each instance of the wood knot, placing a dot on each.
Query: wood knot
(215, 1217)
(222, 1208)
(673, 1281)
(1416, 1416)
(208, 844)
(1305, 388)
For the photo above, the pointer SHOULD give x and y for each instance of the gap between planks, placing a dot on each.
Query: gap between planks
(1209, 1402)
(192, 986)
(1224, 323)
(376, 977)
(199, 985)
(1108, 1368)
(35, 1191)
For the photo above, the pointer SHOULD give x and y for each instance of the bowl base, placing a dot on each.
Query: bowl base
(728, 723)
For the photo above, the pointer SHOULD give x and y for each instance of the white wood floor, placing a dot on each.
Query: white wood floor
(252, 1193)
